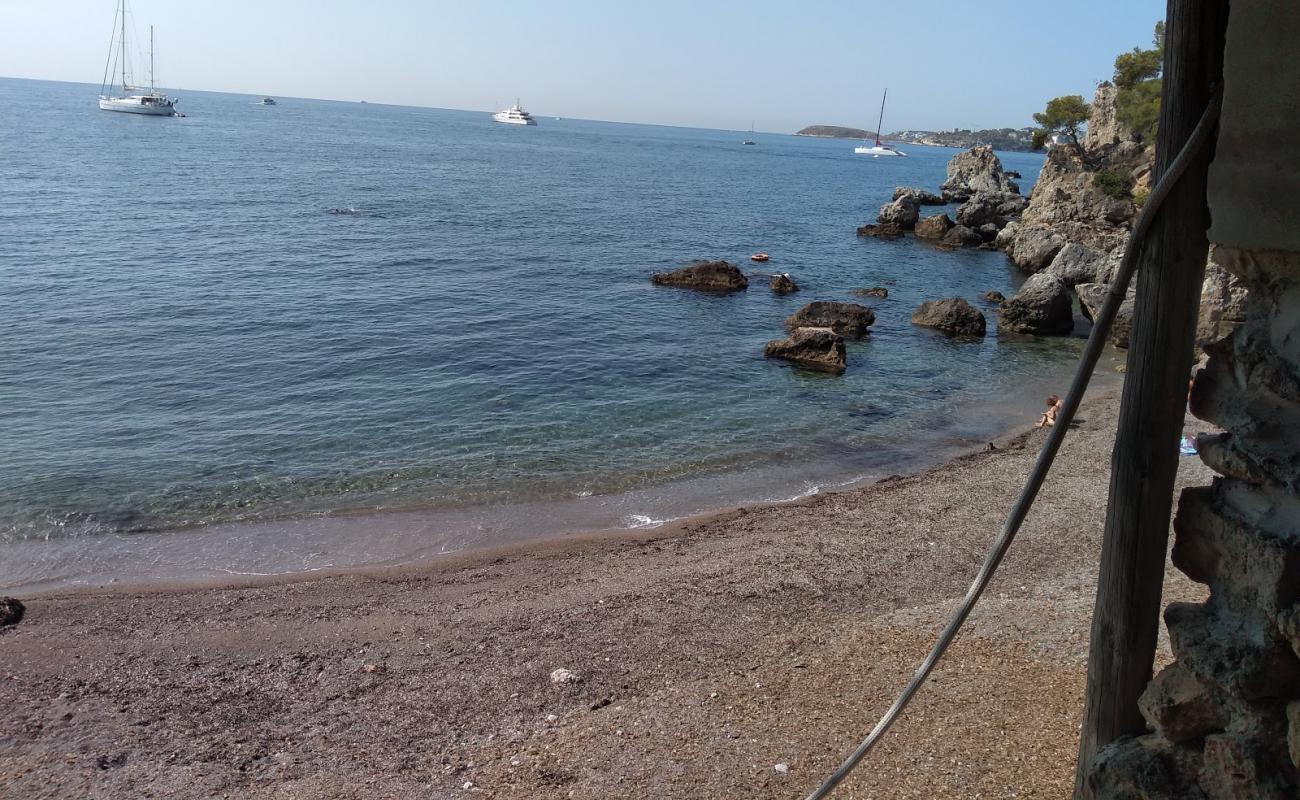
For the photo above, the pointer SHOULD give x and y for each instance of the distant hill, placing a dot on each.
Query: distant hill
(999, 138)
(836, 132)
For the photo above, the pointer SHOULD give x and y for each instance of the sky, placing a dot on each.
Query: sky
(707, 63)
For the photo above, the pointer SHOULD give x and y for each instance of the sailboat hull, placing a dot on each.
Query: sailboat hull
(136, 105)
(879, 151)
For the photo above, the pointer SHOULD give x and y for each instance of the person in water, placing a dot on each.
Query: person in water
(1049, 416)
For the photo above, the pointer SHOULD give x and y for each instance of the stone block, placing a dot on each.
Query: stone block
(1145, 767)
(1181, 706)
(1241, 654)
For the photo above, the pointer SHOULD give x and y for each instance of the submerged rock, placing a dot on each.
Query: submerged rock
(1041, 307)
(783, 284)
(922, 196)
(817, 348)
(874, 291)
(903, 212)
(846, 319)
(11, 611)
(888, 230)
(711, 276)
(934, 227)
(953, 316)
(994, 296)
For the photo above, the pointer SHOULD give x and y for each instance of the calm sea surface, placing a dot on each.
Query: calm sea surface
(206, 368)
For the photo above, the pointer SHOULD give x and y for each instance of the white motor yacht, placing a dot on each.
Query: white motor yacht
(132, 100)
(515, 115)
(877, 150)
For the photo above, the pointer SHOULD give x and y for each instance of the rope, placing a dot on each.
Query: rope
(1087, 363)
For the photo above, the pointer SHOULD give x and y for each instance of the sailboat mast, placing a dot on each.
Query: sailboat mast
(122, 44)
(152, 90)
(881, 121)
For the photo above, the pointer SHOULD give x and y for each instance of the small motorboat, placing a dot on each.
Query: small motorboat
(760, 257)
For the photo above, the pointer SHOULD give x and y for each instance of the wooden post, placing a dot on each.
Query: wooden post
(1126, 618)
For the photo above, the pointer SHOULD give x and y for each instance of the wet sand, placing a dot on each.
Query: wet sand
(706, 652)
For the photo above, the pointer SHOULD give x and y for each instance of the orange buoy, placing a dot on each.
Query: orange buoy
(758, 257)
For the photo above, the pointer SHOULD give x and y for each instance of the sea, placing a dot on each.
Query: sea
(262, 340)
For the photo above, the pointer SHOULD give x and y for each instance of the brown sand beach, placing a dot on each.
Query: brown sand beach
(702, 655)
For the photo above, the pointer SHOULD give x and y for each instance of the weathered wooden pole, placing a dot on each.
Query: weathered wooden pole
(1126, 618)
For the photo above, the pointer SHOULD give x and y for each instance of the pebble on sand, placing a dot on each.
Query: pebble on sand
(564, 676)
(783, 768)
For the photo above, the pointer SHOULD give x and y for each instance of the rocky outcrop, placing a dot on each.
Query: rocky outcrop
(11, 611)
(1223, 303)
(875, 291)
(816, 348)
(903, 212)
(889, 230)
(1041, 307)
(954, 316)
(1092, 296)
(709, 276)
(922, 196)
(846, 319)
(783, 284)
(934, 227)
(990, 208)
(1076, 263)
(1030, 247)
(1104, 130)
(976, 170)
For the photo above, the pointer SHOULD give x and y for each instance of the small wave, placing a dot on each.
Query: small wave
(350, 211)
(583, 493)
(641, 521)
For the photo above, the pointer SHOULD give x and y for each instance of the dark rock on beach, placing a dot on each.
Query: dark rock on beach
(783, 284)
(888, 230)
(903, 212)
(954, 316)
(816, 348)
(709, 276)
(11, 611)
(875, 291)
(1041, 307)
(846, 319)
(934, 227)
(922, 196)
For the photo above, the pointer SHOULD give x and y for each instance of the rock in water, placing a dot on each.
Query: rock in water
(783, 284)
(846, 319)
(1075, 264)
(1041, 307)
(994, 296)
(922, 196)
(954, 316)
(11, 611)
(890, 230)
(817, 348)
(709, 276)
(960, 236)
(875, 291)
(903, 212)
(934, 227)
(976, 170)
(990, 208)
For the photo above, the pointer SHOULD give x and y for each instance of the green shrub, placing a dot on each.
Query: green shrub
(1140, 197)
(1115, 183)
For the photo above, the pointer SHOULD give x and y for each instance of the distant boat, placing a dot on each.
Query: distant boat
(750, 140)
(131, 100)
(515, 115)
(267, 101)
(877, 150)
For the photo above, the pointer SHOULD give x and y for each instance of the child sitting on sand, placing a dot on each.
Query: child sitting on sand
(1049, 416)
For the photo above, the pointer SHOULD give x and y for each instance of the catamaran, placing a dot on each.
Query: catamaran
(515, 115)
(132, 100)
(877, 150)
(750, 140)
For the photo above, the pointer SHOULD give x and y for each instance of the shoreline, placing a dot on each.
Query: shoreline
(363, 522)
(705, 653)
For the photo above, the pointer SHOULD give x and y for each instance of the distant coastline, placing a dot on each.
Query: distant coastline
(1012, 139)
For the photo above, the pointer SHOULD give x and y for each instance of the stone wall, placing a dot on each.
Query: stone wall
(1225, 715)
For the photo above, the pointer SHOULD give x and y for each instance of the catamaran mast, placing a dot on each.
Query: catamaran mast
(152, 90)
(122, 44)
(881, 121)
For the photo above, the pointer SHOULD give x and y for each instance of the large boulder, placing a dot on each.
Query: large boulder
(976, 170)
(961, 236)
(889, 230)
(1075, 264)
(817, 348)
(934, 227)
(709, 276)
(1092, 296)
(846, 319)
(954, 316)
(11, 611)
(922, 196)
(1030, 247)
(783, 284)
(903, 212)
(996, 208)
(1041, 307)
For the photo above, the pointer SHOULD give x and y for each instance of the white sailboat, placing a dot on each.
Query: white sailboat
(877, 150)
(750, 140)
(132, 99)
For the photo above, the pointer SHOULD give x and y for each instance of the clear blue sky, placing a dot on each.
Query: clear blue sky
(702, 63)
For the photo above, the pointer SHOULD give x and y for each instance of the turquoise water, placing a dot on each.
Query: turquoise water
(193, 335)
